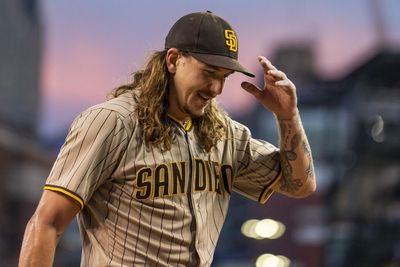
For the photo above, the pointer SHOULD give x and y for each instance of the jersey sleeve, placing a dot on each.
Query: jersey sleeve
(93, 147)
(258, 166)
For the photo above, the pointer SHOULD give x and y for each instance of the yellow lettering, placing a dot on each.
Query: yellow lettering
(161, 180)
(227, 174)
(178, 177)
(200, 175)
(216, 170)
(143, 183)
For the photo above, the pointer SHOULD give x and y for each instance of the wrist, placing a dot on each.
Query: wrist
(287, 115)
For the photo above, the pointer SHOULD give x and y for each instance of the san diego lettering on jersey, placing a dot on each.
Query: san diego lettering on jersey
(170, 179)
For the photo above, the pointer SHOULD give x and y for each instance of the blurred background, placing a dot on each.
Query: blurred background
(58, 58)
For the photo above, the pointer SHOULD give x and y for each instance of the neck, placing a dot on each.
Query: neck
(177, 114)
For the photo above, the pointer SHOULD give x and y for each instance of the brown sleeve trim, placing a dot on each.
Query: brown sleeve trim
(67, 192)
(268, 189)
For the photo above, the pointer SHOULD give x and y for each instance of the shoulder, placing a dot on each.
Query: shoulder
(123, 105)
(119, 110)
(236, 128)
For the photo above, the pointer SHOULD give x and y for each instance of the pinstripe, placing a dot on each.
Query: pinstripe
(126, 233)
(254, 170)
(78, 154)
(149, 235)
(222, 213)
(215, 223)
(161, 222)
(67, 142)
(115, 227)
(121, 106)
(105, 160)
(84, 157)
(203, 221)
(130, 202)
(126, 229)
(182, 239)
(80, 147)
(182, 208)
(257, 165)
(151, 216)
(137, 234)
(106, 217)
(207, 226)
(172, 239)
(140, 212)
(161, 235)
(172, 221)
(129, 214)
(191, 205)
(68, 151)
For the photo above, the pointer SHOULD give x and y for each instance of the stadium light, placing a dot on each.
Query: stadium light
(261, 229)
(270, 260)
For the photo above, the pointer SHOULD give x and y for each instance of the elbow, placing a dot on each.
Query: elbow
(308, 189)
(40, 222)
(32, 223)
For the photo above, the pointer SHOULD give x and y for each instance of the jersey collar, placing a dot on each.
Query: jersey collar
(186, 126)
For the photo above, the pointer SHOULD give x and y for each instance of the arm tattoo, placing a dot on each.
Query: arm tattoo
(288, 154)
(307, 152)
(295, 142)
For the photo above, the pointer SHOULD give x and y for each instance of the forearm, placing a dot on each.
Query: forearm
(298, 177)
(39, 244)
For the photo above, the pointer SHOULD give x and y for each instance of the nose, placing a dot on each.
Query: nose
(217, 86)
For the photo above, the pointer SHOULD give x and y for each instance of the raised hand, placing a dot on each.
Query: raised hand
(278, 93)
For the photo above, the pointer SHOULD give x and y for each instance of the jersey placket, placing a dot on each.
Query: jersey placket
(186, 130)
(192, 207)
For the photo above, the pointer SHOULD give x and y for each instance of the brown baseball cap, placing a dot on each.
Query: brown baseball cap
(208, 38)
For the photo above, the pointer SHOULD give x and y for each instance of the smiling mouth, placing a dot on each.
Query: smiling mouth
(204, 96)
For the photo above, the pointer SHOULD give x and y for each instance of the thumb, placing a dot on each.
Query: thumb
(252, 89)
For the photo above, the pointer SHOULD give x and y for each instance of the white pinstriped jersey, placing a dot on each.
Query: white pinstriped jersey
(143, 206)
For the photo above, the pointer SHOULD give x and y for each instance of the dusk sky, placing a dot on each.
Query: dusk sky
(92, 46)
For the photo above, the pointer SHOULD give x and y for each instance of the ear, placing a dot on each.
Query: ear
(171, 59)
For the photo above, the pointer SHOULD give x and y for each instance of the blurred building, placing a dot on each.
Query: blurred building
(24, 161)
(24, 164)
(353, 125)
(365, 202)
(20, 53)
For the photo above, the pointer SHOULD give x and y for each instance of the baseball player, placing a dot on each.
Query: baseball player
(150, 172)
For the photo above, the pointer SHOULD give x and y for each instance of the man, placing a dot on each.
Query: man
(151, 171)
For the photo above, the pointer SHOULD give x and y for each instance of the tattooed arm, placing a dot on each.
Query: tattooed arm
(298, 179)
(279, 96)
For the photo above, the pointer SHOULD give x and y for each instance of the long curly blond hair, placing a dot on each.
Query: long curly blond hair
(150, 89)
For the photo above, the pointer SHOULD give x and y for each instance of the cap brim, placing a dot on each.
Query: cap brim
(222, 62)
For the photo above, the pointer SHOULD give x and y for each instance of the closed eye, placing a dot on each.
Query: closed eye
(216, 74)
(209, 72)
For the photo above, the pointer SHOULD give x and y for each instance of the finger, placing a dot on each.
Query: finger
(266, 64)
(252, 89)
(285, 83)
(277, 74)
